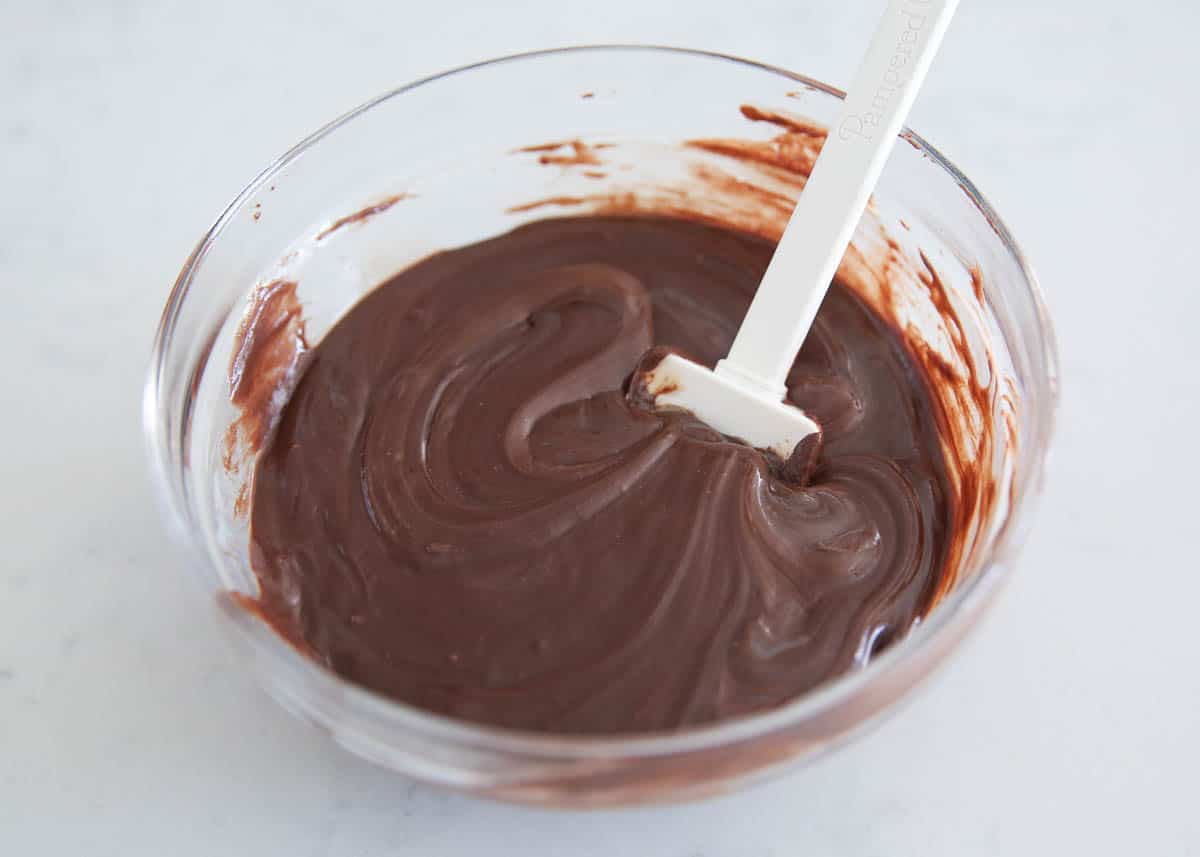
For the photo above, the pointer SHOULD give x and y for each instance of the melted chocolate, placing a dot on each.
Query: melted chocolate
(461, 509)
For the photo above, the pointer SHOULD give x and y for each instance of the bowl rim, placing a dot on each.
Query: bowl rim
(973, 593)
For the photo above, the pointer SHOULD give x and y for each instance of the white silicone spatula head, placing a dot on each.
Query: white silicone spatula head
(743, 396)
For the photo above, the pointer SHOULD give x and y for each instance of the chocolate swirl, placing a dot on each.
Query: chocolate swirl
(460, 508)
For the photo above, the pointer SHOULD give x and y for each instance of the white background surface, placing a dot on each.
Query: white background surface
(1068, 724)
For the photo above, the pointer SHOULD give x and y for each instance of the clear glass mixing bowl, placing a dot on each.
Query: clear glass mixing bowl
(450, 144)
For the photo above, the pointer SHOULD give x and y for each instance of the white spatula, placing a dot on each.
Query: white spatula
(743, 396)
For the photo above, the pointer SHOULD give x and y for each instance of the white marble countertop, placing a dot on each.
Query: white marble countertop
(1068, 724)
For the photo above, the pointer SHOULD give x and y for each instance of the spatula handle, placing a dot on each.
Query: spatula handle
(833, 200)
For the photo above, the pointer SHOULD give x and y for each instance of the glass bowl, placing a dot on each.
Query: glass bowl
(479, 150)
